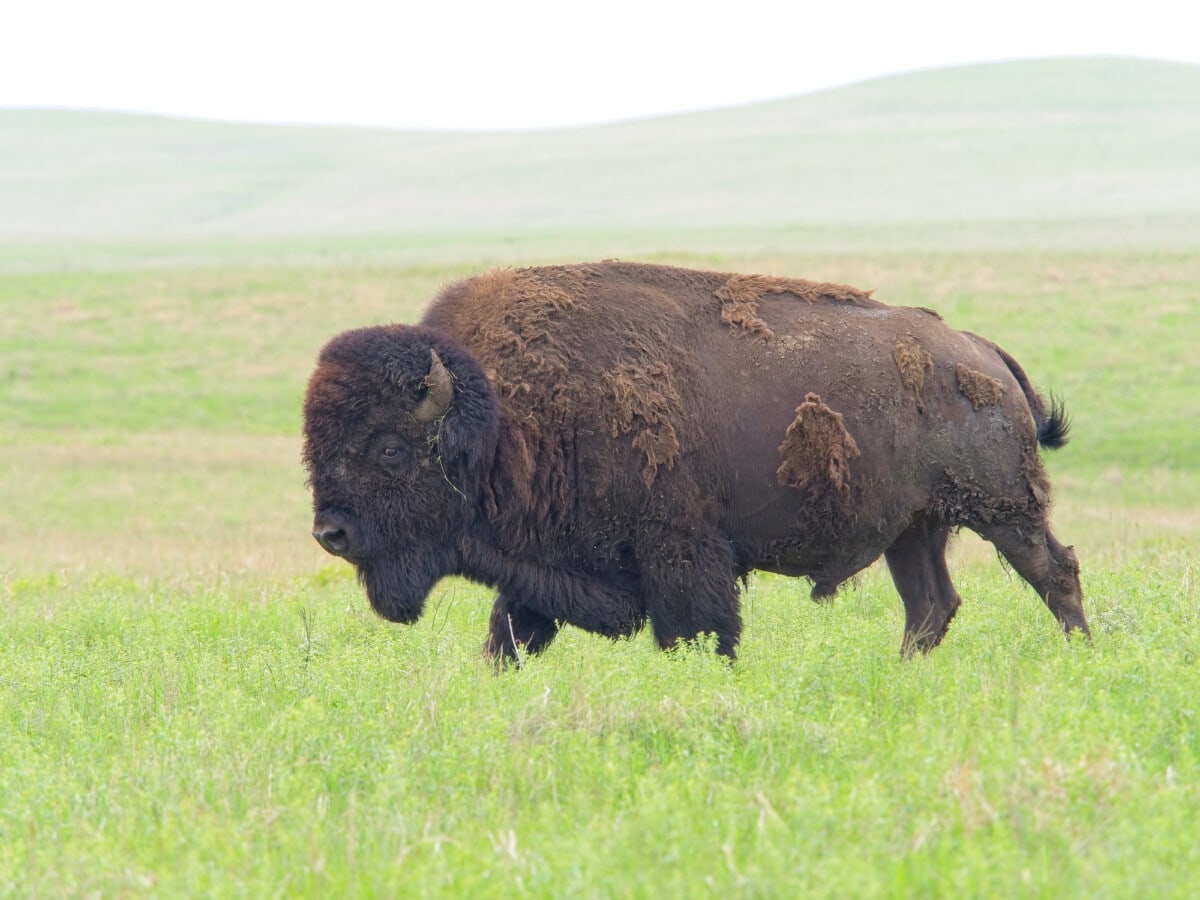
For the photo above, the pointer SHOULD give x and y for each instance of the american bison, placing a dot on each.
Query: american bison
(616, 442)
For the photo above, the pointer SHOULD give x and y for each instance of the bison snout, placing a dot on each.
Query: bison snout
(334, 535)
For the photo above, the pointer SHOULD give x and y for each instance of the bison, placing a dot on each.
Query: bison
(610, 443)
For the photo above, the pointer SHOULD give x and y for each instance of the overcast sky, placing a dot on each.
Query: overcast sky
(526, 63)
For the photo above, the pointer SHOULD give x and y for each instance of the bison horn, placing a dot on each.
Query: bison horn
(440, 391)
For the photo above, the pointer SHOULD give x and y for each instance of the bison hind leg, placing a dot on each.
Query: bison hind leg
(917, 561)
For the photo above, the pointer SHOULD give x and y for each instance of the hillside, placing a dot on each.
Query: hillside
(1023, 141)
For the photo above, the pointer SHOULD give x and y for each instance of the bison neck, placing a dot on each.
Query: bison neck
(531, 492)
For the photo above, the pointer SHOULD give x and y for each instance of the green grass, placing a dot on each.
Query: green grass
(281, 741)
(195, 701)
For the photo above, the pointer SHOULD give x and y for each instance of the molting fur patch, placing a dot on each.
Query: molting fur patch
(817, 450)
(980, 389)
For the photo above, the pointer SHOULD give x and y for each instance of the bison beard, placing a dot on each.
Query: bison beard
(398, 585)
(616, 443)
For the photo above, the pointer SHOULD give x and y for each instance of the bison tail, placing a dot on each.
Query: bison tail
(1055, 429)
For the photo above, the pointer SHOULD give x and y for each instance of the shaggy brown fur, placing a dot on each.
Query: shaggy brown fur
(740, 297)
(645, 399)
(914, 362)
(817, 450)
(590, 441)
(513, 319)
(980, 389)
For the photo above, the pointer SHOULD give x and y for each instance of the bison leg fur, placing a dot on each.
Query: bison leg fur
(917, 561)
(689, 582)
(1051, 568)
(516, 630)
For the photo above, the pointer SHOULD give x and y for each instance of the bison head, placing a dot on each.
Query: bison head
(399, 426)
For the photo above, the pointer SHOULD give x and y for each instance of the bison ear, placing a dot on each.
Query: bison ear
(461, 401)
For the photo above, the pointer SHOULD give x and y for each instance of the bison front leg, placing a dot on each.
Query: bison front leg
(689, 581)
(515, 629)
(917, 561)
(549, 596)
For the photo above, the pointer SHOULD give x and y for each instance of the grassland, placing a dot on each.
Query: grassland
(194, 701)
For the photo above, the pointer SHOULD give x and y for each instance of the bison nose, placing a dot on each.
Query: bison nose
(334, 540)
(334, 533)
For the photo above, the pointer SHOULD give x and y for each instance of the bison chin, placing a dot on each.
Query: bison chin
(397, 591)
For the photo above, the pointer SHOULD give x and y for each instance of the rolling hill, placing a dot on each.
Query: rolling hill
(1062, 139)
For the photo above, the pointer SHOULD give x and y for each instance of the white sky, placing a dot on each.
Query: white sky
(527, 63)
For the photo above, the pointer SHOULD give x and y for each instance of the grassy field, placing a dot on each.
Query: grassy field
(195, 701)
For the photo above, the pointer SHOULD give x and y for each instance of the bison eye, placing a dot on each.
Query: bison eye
(391, 452)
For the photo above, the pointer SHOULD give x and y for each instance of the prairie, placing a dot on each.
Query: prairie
(195, 700)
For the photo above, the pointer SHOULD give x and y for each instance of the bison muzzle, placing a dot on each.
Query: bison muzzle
(610, 443)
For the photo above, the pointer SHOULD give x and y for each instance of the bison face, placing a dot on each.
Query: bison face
(399, 426)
